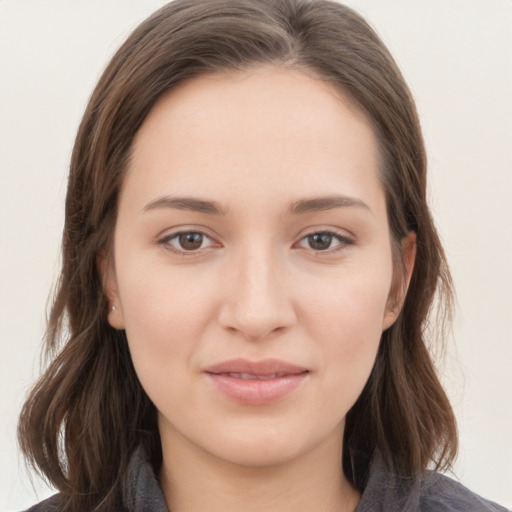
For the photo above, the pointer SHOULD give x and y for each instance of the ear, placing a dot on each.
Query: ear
(401, 280)
(108, 277)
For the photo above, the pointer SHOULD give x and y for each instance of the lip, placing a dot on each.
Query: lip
(256, 382)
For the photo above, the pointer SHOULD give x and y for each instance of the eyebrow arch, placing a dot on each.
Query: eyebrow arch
(185, 203)
(318, 204)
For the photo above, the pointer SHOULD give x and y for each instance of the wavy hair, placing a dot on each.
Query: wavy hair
(88, 412)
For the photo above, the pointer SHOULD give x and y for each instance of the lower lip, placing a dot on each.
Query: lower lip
(256, 391)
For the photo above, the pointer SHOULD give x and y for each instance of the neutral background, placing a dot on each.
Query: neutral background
(457, 58)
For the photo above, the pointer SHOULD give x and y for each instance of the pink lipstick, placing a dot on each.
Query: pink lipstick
(256, 382)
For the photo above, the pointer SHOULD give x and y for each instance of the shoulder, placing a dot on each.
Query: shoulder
(141, 491)
(440, 493)
(58, 503)
(52, 504)
(429, 492)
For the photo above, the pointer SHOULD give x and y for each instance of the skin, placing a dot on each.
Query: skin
(255, 143)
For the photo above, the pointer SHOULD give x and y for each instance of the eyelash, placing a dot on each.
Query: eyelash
(166, 242)
(343, 242)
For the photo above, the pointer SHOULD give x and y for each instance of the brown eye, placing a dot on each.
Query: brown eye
(190, 241)
(327, 241)
(186, 242)
(320, 241)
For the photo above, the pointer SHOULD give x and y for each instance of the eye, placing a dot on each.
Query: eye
(186, 241)
(324, 241)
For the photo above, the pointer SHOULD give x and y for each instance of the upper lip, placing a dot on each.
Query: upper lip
(264, 368)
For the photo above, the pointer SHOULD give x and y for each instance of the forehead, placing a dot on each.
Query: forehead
(266, 128)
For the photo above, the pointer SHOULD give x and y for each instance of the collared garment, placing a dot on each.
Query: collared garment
(384, 492)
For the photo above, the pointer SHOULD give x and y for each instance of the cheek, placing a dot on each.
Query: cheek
(346, 318)
(350, 304)
(350, 336)
(165, 319)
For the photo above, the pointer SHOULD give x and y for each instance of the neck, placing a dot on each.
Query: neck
(311, 482)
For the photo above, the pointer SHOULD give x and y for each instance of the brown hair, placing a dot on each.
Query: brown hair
(85, 416)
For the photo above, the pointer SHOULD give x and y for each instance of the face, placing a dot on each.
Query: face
(252, 264)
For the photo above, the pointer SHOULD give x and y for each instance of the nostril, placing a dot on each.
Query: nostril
(256, 304)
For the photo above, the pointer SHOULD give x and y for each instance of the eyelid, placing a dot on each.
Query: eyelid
(345, 240)
(170, 234)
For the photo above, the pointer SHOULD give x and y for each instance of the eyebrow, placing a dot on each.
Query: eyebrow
(185, 203)
(301, 206)
(318, 204)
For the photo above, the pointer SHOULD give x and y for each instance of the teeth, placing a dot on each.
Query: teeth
(250, 376)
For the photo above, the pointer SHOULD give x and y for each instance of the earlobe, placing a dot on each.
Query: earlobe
(115, 317)
(399, 289)
(109, 282)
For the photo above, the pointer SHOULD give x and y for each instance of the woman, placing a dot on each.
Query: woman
(248, 266)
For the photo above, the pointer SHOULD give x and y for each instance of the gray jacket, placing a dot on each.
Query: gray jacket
(383, 492)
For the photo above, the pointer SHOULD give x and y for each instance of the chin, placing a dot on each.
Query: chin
(273, 445)
(259, 454)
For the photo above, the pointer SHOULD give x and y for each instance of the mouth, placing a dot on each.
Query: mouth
(256, 382)
(251, 376)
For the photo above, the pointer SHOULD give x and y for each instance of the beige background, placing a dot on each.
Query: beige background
(457, 57)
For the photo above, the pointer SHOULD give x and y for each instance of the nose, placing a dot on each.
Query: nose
(258, 301)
